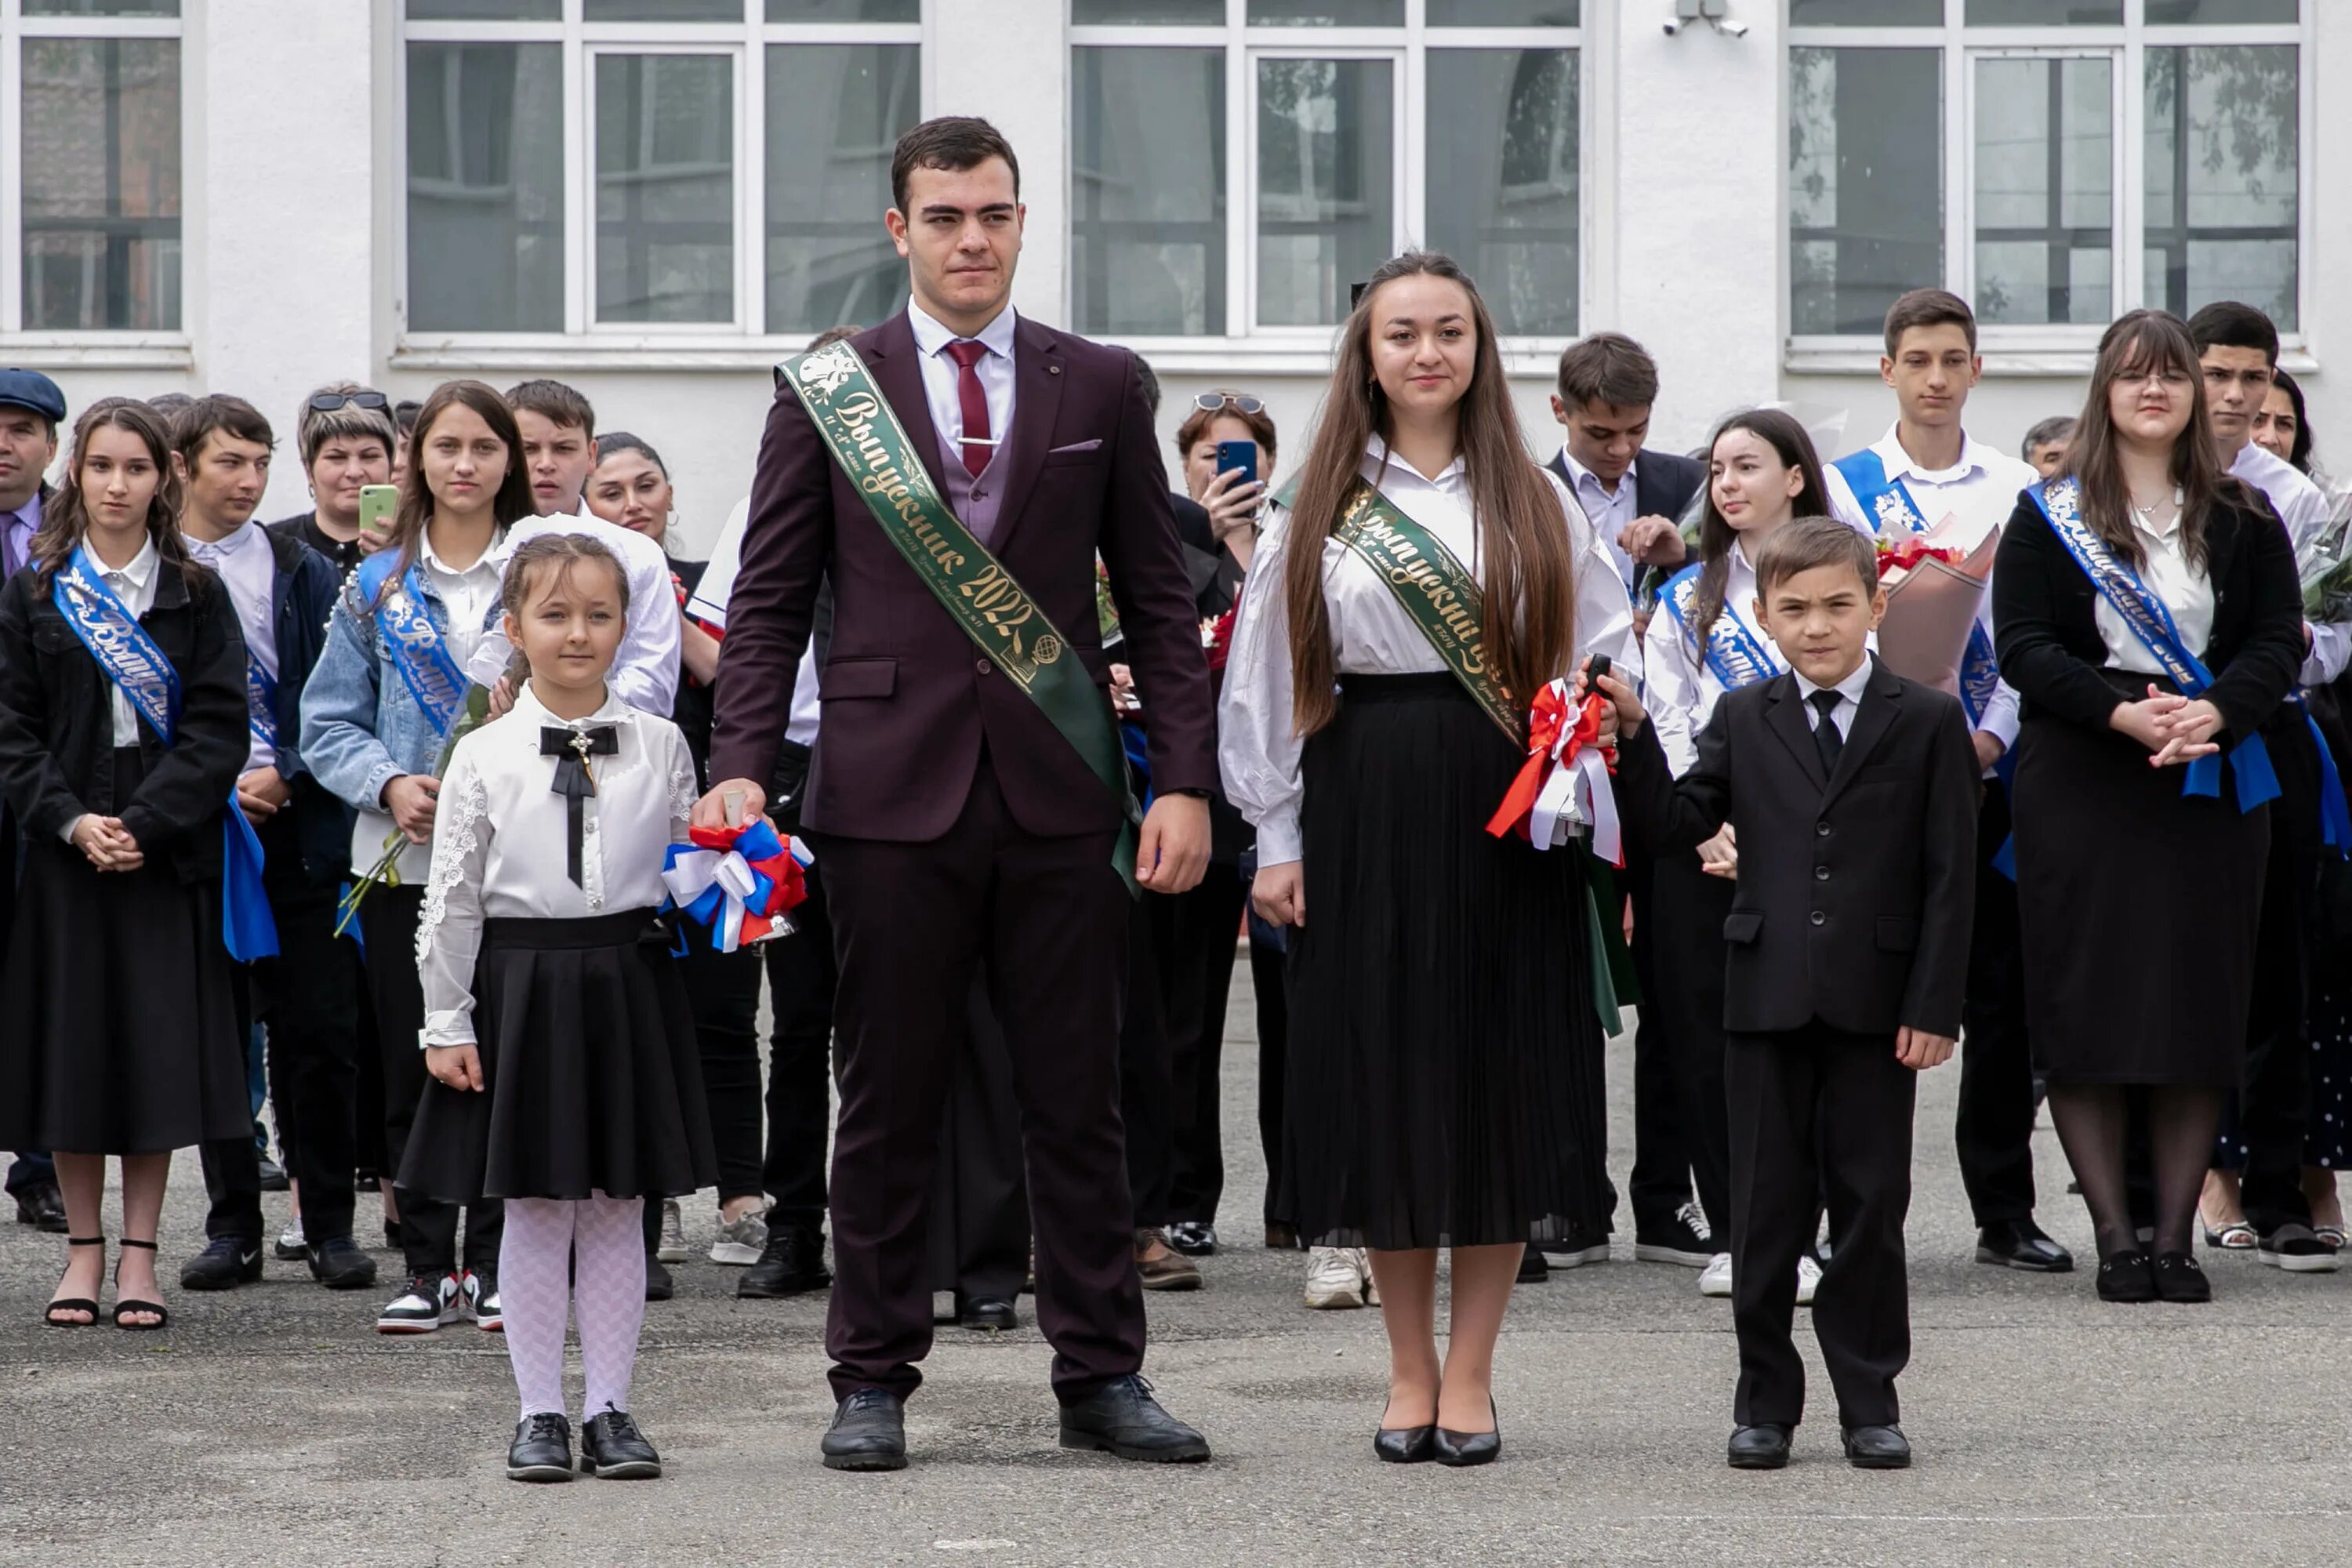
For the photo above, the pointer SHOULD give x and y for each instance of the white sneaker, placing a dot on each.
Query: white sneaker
(292, 1246)
(740, 1242)
(1337, 1277)
(1714, 1280)
(1808, 1279)
(673, 1234)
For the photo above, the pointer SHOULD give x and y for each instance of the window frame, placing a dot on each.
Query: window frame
(2057, 348)
(585, 342)
(101, 346)
(1245, 342)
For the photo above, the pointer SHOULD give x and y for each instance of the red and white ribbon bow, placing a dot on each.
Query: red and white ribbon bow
(1564, 783)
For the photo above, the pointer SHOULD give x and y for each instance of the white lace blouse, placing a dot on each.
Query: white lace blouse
(499, 841)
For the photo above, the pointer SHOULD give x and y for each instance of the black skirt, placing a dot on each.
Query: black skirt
(121, 1033)
(1445, 1083)
(591, 1080)
(2113, 859)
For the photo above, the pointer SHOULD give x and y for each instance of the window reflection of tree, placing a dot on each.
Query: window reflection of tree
(2222, 178)
(1148, 189)
(100, 211)
(835, 114)
(664, 188)
(485, 187)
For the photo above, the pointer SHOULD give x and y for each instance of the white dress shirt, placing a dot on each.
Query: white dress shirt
(249, 568)
(500, 841)
(1679, 688)
(942, 376)
(1610, 514)
(135, 585)
(1980, 492)
(708, 602)
(2302, 507)
(2185, 588)
(1849, 702)
(645, 672)
(1372, 633)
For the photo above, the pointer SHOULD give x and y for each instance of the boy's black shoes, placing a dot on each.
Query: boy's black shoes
(1684, 1238)
(43, 1207)
(1122, 1419)
(226, 1263)
(2022, 1244)
(792, 1263)
(339, 1266)
(868, 1433)
(613, 1449)
(542, 1449)
(1764, 1447)
(659, 1286)
(1877, 1449)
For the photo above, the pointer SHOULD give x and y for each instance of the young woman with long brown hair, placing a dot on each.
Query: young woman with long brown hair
(1445, 1076)
(2147, 611)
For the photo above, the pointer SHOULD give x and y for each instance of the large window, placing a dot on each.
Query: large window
(89, 166)
(1237, 164)
(698, 167)
(2054, 163)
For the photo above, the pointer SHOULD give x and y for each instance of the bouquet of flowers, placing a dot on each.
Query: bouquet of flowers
(1934, 589)
(2322, 564)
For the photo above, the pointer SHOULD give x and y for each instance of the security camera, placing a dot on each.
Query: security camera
(1732, 29)
(1673, 27)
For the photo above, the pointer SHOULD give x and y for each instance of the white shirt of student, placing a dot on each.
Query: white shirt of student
(942, 377)
(645, 673)
(1610, 514)
(135, 585)
(1849, 702)
(708, 602)
(2302, 507)
(1679, 688)
(2185, 589)
(500, 841)
(1258, 749)
(249, 567)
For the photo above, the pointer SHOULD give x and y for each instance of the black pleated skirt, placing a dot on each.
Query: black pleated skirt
(2113, 861)
(591, 1079)
(1445, 1084)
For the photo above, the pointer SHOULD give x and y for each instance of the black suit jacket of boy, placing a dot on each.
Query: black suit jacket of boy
(1855, 891)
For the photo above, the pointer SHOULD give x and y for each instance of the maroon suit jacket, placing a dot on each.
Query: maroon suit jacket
(908, 701)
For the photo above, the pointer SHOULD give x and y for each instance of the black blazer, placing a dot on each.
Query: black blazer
(1664, 482)
(1855, 892)
(2046, 629)
(302, 599)
(56, 721)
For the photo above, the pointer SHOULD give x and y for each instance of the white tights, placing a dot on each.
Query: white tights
(537, 1295)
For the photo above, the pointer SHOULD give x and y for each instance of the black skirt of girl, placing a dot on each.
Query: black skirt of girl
(1445, 1058)
(121, 1035)
(591, 1081)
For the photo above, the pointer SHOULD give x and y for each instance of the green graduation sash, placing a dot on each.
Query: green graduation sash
(863, 433)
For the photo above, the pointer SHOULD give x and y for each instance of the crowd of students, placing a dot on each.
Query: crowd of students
(290, 784)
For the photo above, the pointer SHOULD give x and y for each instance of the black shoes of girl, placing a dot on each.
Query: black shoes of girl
(123, 1309)
(1405, 1445)
(613, 1449)
(542, 1449)
(2126, 1276)
(2179, 1279)
(59, 1313)
(1464, 1449)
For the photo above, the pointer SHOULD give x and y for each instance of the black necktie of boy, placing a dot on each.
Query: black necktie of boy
(1826, 739)
(572, 749)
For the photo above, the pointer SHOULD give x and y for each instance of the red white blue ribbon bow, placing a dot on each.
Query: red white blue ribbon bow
(1565, 782)
(739, 881)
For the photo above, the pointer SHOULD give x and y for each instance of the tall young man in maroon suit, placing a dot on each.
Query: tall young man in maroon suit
(957, 825)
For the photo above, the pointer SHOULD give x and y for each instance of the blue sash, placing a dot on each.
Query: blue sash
(129, 659)
(432, 676)
(261, 701)
(1888, 501)
(1735, 655)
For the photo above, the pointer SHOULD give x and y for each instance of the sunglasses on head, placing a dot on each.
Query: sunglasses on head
(328, 402)
(1211, 402)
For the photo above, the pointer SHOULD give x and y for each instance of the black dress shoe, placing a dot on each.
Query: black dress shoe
(226, 1263)
(1405, 1445)
(659, 1286)
(273, 1176)
(339, 1266)
(542, 1449)
(2022, 1244)
(990, 1314)
(1461, 1450)
(1764, 1447)
(1192, 1237)
(43, 1207)
(2179, 1278)
(868, 1433)
(792, 1263)
(1877, 1449)
(1124, 1420)
(2126, 1276)
(1533, 1270)
(613, 1449)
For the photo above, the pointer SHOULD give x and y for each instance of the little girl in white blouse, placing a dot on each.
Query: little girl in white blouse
(553, 1015)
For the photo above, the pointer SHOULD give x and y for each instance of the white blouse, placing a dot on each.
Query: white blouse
(499, 841)
(2185, 589)
(1372, 633)
(1682, 692)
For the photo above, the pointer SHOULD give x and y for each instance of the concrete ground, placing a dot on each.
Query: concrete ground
(272, 1426)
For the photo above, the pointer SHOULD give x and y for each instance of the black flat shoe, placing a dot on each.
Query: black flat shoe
(1533, 1270)
(1461, 1450)
(2179, 1279)
(542, 1449)
(44, 1208)
(792, 1263)
(122, 1308)
(76, 1304)
(1877, 1449)
(987, 1314)
(2126, 1276)
(868, 1433)
(613, 1449)
(339, 1265)
(659, 1286)
(1123, 1420)
(226, 1263)
(1764, 1447)
(2022, 1244)
(1405, 1445)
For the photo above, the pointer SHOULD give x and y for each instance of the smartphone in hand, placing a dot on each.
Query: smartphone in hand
(1241, 455)
(378, 505)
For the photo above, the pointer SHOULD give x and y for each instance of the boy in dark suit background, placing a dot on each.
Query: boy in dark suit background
(1853, 794)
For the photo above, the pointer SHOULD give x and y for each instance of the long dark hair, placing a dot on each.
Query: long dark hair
(65, 521)
(2300, 453)
(1527, 574)
(512, 501)
(2136, 345)
(1785, 434)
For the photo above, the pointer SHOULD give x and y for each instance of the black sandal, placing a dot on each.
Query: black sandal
(75, 1303)
(162, 1317)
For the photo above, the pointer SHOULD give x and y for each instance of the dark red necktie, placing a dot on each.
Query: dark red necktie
(978, 446)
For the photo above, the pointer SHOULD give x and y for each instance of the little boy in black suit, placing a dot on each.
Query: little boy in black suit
(1853, 791)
